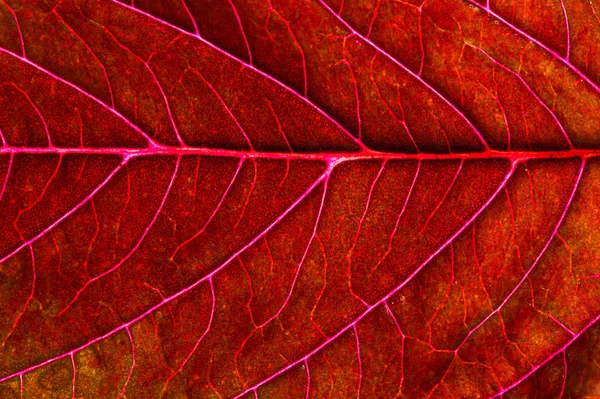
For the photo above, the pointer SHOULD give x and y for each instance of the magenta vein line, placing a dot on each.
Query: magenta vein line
(36, 110)
(535, 262)
(411, 73)
(358, 230)
(247, 65)
(400, 214)
(552, 356)
(402, 337)
(14, 14)
(168, 106)
(327, 156)
(5, 183)
(325, 175)
(135, 247)
(389, 295)
(156, 81)
(239, 20)
(594, 11)
(187, 10)
(93, 53)
(564, 383)
(214, 212)
(439, 205)
(132, 363)
(74, 382)
(360, 372)
(530, 90)
(542, 252)
(302, 260)
(564, 10)
(68, 213)
(94, 99)
(527, 36)
(307, 379)
(206, 330)
(226, 107)
(29, 299)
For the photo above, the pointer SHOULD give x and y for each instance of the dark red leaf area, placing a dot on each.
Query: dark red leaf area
(258, 114)
(381, 57)
(299, 199)
(40, 111)
(570, 373)
(112, 275)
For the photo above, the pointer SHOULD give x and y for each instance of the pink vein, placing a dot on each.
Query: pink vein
(530, 90)
(158, 85)
(552, 356)
(8, 169)
(594, 11)
(574, 336)
(74, 374)
(564, 10)
(224, 105)
(187, 10)
(239, 20)
(125, 326)
(374, 17)
(304, 255)
(536, 41)
(134, 249)
(355, 84)
(210, 320)
(97, 101)
(535, 262)
(385, 298)
(307, 379)
(387, 307)
(439, 205)
(291, 32)
(320, 156)
(279, 127)
(411, 73)
(564, 384)
(408, 196)
(28, 301)
(14, 14)
(37, 111)
(360, 223)
(132, 363)
(112, 98)
(250, 66)
(360, 373)
(214, 212)
(393, 115)
(70, 212)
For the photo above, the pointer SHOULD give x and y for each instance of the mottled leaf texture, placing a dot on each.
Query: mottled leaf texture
(299, 199)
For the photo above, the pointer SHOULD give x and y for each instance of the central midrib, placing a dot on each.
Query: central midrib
(336, 157)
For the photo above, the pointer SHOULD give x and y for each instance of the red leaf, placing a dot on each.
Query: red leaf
(299, 199)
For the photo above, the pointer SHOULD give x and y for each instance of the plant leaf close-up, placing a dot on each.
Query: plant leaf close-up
(299, 199)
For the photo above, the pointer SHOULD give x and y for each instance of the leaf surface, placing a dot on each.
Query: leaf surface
(299, 199)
